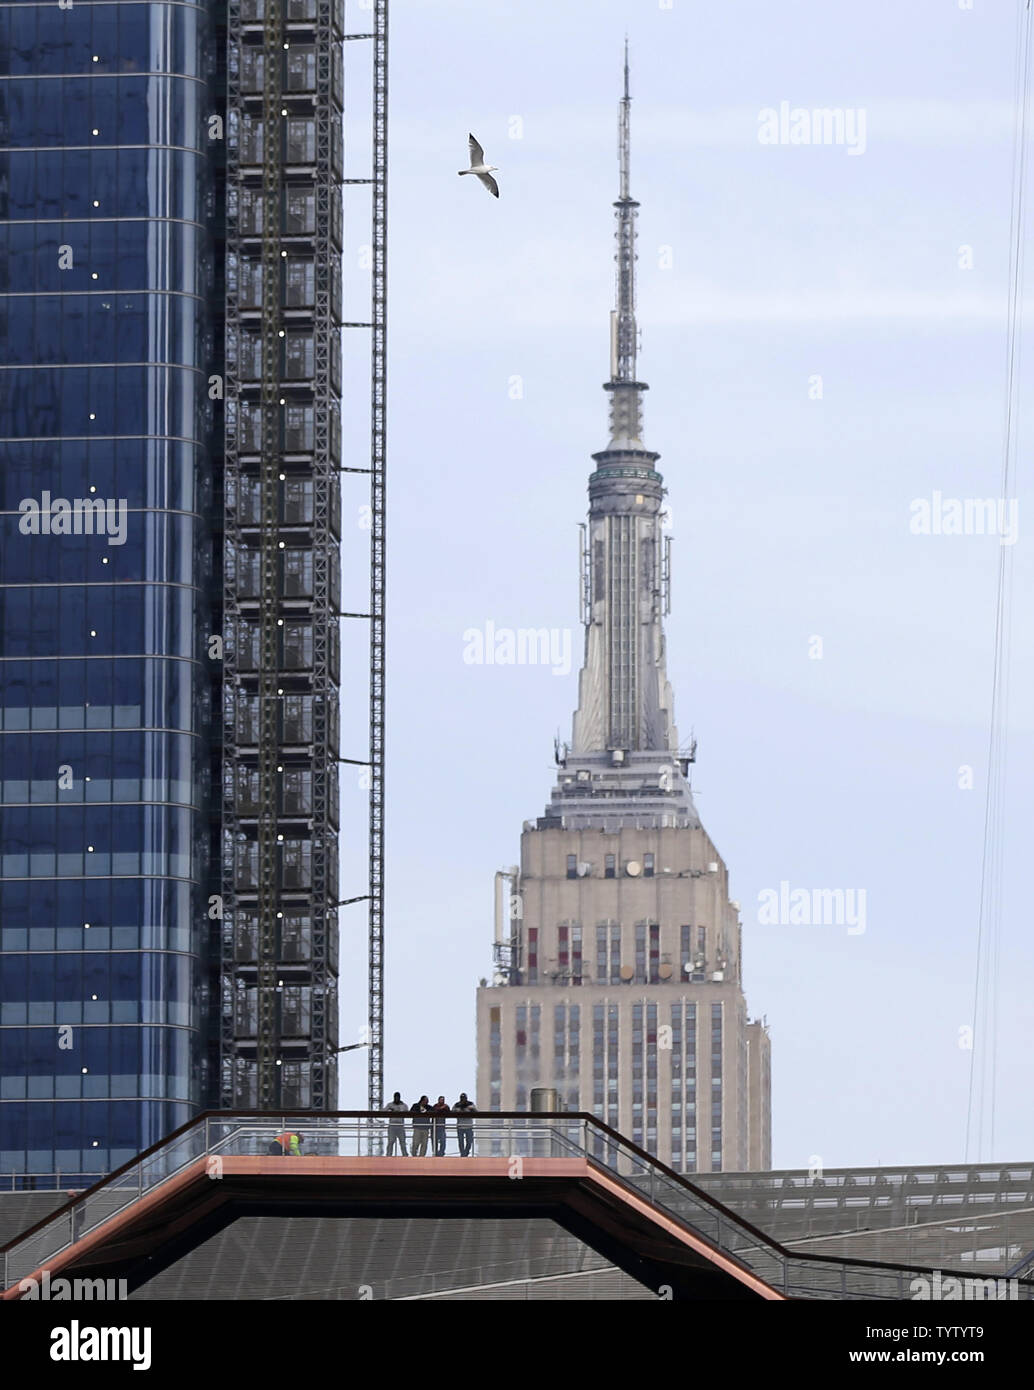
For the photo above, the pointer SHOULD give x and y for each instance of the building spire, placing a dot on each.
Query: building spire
(624, 722)
(625, 401)
(624, 130)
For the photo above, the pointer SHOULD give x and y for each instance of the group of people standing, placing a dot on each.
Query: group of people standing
(429, 1125)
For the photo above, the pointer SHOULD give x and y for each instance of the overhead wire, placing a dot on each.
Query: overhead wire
(983, 1069)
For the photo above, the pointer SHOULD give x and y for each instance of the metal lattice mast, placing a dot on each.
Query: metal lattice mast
(378, 387)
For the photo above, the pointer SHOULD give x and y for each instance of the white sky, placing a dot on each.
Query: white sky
(791, 515)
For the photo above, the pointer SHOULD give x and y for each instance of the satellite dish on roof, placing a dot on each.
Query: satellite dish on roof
(627, 972)
(633, 868)
(664, 971)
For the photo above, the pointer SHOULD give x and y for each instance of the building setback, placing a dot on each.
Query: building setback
(618, 957)
(170, 296)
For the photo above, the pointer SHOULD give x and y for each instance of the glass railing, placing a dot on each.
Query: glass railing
(506, 1136)
(52, 1181)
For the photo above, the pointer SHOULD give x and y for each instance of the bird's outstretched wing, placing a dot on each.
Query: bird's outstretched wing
(477, 154)
(489, 183)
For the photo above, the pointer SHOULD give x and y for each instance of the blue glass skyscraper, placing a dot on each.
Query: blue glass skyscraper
(105, 564)
(154, 806)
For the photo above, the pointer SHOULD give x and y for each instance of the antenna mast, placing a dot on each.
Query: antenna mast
(623, 367)
(625, 402)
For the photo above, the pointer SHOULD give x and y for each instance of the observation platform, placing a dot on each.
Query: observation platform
(528, 1174)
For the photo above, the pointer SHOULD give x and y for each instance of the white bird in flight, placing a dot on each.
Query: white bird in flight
(479, 167)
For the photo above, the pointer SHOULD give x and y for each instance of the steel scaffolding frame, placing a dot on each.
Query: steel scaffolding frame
(281, 561)
(378, 441)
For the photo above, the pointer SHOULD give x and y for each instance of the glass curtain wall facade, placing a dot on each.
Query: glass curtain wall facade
(106, 456)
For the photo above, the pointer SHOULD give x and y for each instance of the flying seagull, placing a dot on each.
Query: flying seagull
(479, 167)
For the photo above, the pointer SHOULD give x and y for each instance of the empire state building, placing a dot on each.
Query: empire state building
(617, 975)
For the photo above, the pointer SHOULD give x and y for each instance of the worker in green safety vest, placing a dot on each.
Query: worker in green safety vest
(287, 1143)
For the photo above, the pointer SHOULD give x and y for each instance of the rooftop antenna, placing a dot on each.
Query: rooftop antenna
(623, 363)
(625, 389)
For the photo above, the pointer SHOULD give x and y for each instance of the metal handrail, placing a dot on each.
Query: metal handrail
(576, 1133)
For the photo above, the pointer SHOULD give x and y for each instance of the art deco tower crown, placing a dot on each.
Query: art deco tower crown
(624, 746)
(617, 986)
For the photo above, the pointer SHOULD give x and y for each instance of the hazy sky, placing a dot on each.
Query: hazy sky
(761, 267)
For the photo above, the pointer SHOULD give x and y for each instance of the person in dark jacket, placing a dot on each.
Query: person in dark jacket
(396, 1125)
(463, 1109)
(439, 1110)
(421, 1126)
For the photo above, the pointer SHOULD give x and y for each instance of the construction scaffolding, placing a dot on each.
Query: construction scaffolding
(281, 579)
